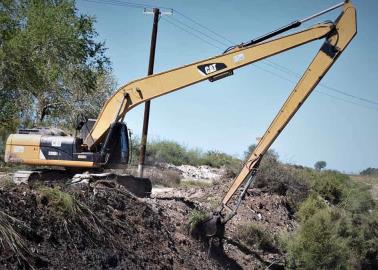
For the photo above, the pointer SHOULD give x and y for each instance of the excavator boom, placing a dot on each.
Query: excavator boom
(139, 91)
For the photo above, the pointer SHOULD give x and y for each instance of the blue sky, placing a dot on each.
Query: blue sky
(229, 115)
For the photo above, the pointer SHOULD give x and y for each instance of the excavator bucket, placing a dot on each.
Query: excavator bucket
(212, 226)
(140, 187)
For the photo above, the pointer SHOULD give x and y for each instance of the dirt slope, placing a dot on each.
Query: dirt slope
(268, 211)
(103, 228)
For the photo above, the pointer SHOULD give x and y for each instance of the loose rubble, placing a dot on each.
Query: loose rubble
(198, 173)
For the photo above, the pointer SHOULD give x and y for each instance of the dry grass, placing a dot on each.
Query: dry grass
(66, 207)
(11, 239)
(167, 178)
(370, 180)
(252, 234)
(60, 202)
(196, 217)
(6, 181)
(189, 183)
(158, 176)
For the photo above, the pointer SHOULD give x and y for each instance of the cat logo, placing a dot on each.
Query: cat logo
(210, 68)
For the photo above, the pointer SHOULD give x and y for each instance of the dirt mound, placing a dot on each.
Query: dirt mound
(98, 228)
(269, 212)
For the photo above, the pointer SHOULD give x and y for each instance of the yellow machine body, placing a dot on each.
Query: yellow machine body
(27, 149)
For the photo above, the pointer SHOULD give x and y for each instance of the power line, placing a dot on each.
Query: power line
(198, 31)
(181, 25)
(191, 33)
(317, 91)
(204, 27)
(126, 4)
(288, 71)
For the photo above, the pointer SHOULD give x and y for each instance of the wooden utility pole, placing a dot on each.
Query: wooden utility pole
(146, 118)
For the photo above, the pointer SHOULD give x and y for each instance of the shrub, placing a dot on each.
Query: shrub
(316, 244)
(274, 177)
(331, 185)
(363, 239)
(164, 177)
(196, 217)
(166, 151)
(319, 165)
(369, 171)
(60, 202)
(195, 183)
(252, 234)
(357, 198)
(269, 154)
(310, 206)
(334, 237)
(6, 182)
(218, 159)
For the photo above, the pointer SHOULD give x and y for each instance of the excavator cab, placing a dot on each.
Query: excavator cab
(115, 149)
(119, 150)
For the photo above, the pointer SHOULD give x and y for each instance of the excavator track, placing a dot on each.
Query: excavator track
(140, 187)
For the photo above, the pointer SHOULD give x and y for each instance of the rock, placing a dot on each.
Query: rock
(197, 173)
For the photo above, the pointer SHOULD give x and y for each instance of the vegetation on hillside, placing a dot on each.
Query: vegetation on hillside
(320, 165)
(370, 171)
(337, 217)
(167, 151)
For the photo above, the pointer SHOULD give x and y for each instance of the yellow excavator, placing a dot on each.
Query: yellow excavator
(104, 142)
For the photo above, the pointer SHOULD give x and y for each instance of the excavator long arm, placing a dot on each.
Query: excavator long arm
(333, 46)
(105, 145)
(139, 91)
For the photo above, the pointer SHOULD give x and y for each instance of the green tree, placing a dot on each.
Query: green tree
(49, 58)
(369, 171)
(319, 165)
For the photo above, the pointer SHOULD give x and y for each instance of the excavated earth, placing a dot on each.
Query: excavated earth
(269, 211)
(111, 229)
(108, 228)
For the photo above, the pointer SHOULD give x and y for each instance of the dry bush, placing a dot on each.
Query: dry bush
(252, 234)
(6, 182)
(285, 180)
(195, 183)
(163, 177)
(59, 202)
